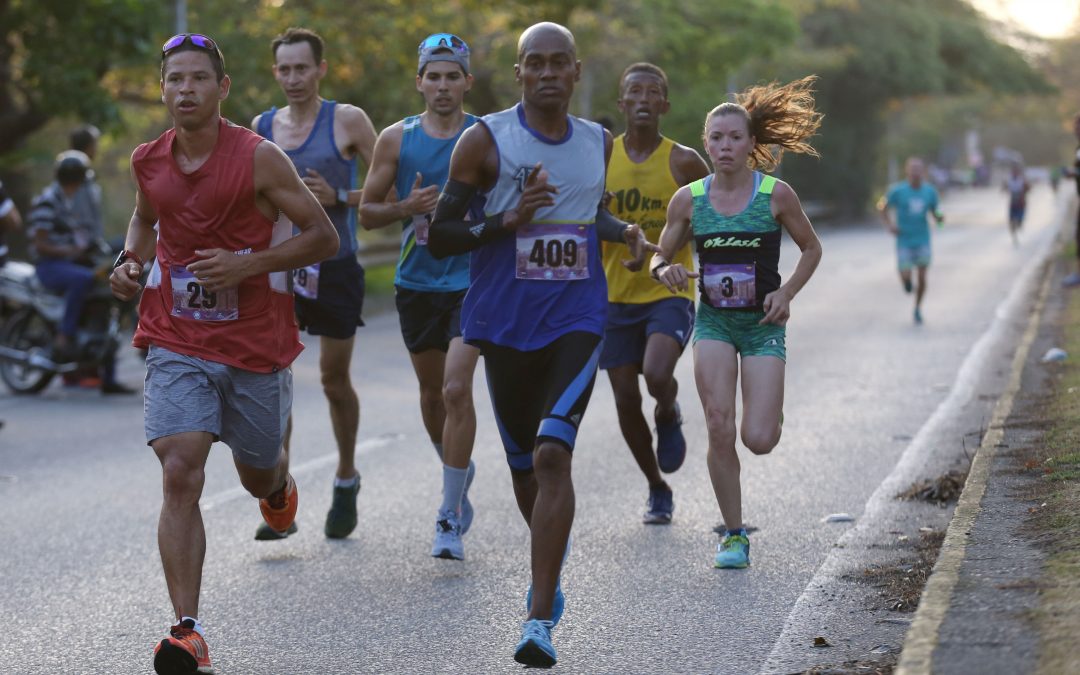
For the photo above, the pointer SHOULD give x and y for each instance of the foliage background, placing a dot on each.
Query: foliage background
(897, 77)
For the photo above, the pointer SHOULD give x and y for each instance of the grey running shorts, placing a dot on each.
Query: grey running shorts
(247, 411)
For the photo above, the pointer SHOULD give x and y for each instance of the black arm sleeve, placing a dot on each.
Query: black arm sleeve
(450, 233)
(610, 228)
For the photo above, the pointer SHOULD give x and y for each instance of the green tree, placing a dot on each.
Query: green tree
(870, 53)
(55, 54)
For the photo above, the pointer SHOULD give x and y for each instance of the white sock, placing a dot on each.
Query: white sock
(198, 626)
(346, 482)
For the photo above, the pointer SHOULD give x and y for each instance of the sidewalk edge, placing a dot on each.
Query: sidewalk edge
(922, 637)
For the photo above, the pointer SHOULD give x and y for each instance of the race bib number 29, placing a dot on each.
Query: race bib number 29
(553, 252)
(730, 285)
(306, 281)
(192, 301)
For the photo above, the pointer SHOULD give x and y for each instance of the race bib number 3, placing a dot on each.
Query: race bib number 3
(730, 285)
(553, 252)
(192, 301)
(306, 282)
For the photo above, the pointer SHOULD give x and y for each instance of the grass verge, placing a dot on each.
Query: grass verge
(1056, 521)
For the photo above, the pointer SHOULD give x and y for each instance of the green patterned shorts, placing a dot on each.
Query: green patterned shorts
(741, 330)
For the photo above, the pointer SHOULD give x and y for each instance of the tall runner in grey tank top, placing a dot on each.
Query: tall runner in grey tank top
(414, 155)
(536, 260)
(324, 139)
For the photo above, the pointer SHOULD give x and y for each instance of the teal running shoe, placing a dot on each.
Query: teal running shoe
(466, 505)
(535, 648)
(341, 519)
(733, 552)
(448, 544)
(918, 317)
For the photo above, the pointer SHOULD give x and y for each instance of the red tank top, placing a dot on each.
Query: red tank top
(251, 327)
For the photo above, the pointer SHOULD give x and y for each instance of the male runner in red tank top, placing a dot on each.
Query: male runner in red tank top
(217, 314)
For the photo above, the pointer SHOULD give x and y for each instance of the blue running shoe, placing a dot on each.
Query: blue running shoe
(535, 648)
(557, 605)
(661, 506)
(733, 552)
(670, 443)
(918, 317)
(466, 505)
(447, 543)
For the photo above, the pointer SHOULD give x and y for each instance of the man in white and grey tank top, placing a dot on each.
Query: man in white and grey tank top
(538, 297)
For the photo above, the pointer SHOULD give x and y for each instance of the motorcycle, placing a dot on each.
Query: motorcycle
(31, 322)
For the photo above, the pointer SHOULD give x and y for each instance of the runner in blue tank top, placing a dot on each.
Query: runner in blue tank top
(323, 139)
(538, 297)
(412, 161)
(735, 216)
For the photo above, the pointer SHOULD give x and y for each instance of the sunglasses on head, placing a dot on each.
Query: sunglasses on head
(197, 40)
(444, 41)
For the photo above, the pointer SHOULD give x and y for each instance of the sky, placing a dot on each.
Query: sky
(1046, 18)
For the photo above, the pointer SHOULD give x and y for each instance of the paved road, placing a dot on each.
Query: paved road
(83, 591)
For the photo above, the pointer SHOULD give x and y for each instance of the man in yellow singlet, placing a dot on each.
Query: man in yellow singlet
(647, 327)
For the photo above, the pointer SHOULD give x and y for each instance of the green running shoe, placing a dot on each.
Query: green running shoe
(733, 552)
(341, 519)
(266, 533)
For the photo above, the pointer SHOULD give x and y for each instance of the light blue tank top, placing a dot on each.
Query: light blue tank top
(320, 152)
(417, 269)
(546, 280)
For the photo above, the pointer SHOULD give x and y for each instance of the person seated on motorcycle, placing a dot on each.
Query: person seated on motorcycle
(59, 243)
(9, 220)
(65, 260)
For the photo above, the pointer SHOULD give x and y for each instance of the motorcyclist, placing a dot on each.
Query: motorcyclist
(64, 250)
(9, 220)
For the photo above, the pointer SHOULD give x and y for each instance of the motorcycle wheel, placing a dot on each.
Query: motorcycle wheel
(25, 330)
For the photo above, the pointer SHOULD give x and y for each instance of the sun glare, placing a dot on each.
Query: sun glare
(1046, 18)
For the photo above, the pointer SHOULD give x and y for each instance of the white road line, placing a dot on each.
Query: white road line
(320, 462)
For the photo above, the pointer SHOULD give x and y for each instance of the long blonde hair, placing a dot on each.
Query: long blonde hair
(778, 117)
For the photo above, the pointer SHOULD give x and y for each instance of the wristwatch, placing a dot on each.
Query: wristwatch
(343, 196)
(125, 256)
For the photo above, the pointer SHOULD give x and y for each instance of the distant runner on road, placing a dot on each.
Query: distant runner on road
(904, 210)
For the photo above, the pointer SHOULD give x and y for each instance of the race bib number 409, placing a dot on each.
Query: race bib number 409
(730, 285)
(192, 301)
(553, 252)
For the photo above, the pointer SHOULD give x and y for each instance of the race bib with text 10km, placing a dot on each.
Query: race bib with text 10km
(730, 285)
(553, 252)
(192, 301)
(306, 282)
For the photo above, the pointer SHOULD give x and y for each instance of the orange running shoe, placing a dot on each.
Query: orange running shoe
(183, 652)
(279, 509)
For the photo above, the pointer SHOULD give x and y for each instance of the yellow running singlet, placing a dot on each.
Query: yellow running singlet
(641, 194)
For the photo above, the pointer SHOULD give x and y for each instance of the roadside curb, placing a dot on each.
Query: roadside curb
(937, 598)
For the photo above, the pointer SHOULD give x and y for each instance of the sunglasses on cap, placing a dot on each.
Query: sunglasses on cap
(196, 40)
(443, 41)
